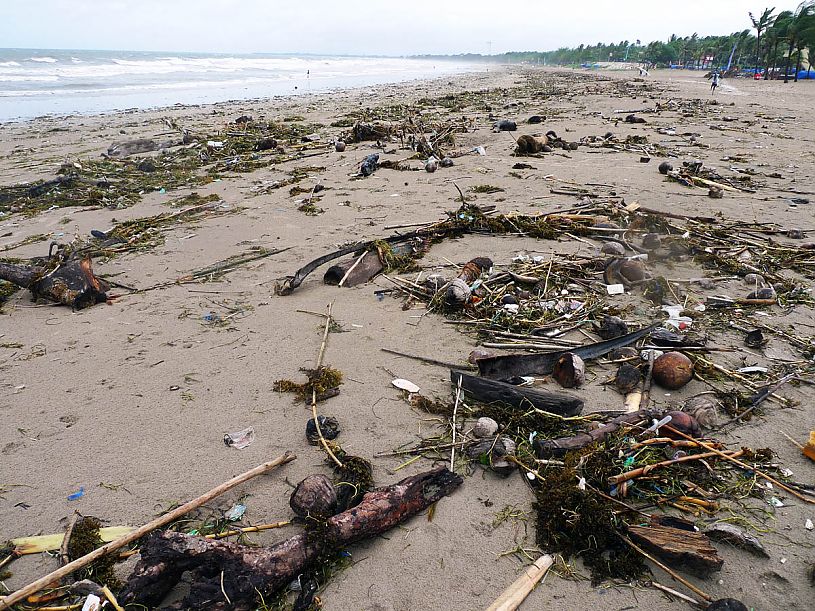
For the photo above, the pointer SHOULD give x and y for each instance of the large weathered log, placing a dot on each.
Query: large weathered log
(691, 551)
(223, 569)
(71, 283)
(492, 391)
(507, 366)
(546, 448)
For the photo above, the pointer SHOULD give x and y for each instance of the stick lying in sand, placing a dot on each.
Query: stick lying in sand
(15, 597)
(515, 594)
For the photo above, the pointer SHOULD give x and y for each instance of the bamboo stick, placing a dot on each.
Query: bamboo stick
(511, 598)
(42, 582)
(624, 477)
(320, 355)
(746, 466)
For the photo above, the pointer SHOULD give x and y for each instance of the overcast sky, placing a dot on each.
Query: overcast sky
(388, 27)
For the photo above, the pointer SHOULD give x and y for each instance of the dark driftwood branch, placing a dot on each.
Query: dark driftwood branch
(546, 448)
(222, 569)
(71, 283)
(492, 391)
(507, 366)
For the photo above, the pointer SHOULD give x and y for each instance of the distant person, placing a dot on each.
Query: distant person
(714, 82)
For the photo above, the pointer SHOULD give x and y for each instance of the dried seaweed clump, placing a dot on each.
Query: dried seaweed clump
(320, 380)
(580, 523)
(402, 261)
(7, 289)
(431, 406)
(85, 538)
(352, 480)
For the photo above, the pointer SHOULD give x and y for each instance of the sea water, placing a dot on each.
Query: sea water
(35, 82)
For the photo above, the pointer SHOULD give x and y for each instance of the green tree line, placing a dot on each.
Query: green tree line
(776, 46)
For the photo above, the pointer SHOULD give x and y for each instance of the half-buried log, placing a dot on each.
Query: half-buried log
(687, 550)
(509, 365)
(492, 391)
(228, 575)
(72, 282)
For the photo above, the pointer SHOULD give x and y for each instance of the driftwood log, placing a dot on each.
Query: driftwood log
(688, 550)
(228, 575)
(492, 391)
(510, 365)
(72, 282)
(546, 448)
(359, 269)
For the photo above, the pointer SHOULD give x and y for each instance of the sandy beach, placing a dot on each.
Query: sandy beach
(130, 401)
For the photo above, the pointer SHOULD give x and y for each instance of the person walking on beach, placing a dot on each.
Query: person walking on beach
(714, 83)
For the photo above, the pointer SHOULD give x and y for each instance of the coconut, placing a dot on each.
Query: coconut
(339, 146)
(485, 427)
(754, 280)
(314, 497)
(569, 371)
(684, 423)
(628, 378)
(627, 352)
(651, 241)
(633, 270)
(767, 292)
(755, 339)
(613, 248)
(611, 327)
(478, 354)
(704, 409)
(672, 370)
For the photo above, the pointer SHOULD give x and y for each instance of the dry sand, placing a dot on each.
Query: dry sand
(88, 400)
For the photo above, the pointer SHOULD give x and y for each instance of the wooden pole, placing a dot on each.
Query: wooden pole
(43, 582)
(515, 594)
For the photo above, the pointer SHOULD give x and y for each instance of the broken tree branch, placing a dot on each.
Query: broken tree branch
(248, 572)
(43, 582)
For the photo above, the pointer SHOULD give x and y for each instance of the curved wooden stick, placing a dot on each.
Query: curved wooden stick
(43, 582)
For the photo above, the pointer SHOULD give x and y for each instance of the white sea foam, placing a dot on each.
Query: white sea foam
(95, 81)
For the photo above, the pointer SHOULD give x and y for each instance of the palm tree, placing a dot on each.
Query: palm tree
(761, 24)
(775, 34)
(795, 27)
(805, 35)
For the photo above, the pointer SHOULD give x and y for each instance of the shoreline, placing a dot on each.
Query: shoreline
(101, 85)
(130, 401)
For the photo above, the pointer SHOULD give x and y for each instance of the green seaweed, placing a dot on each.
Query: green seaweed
(318, 380)
(84, 539)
